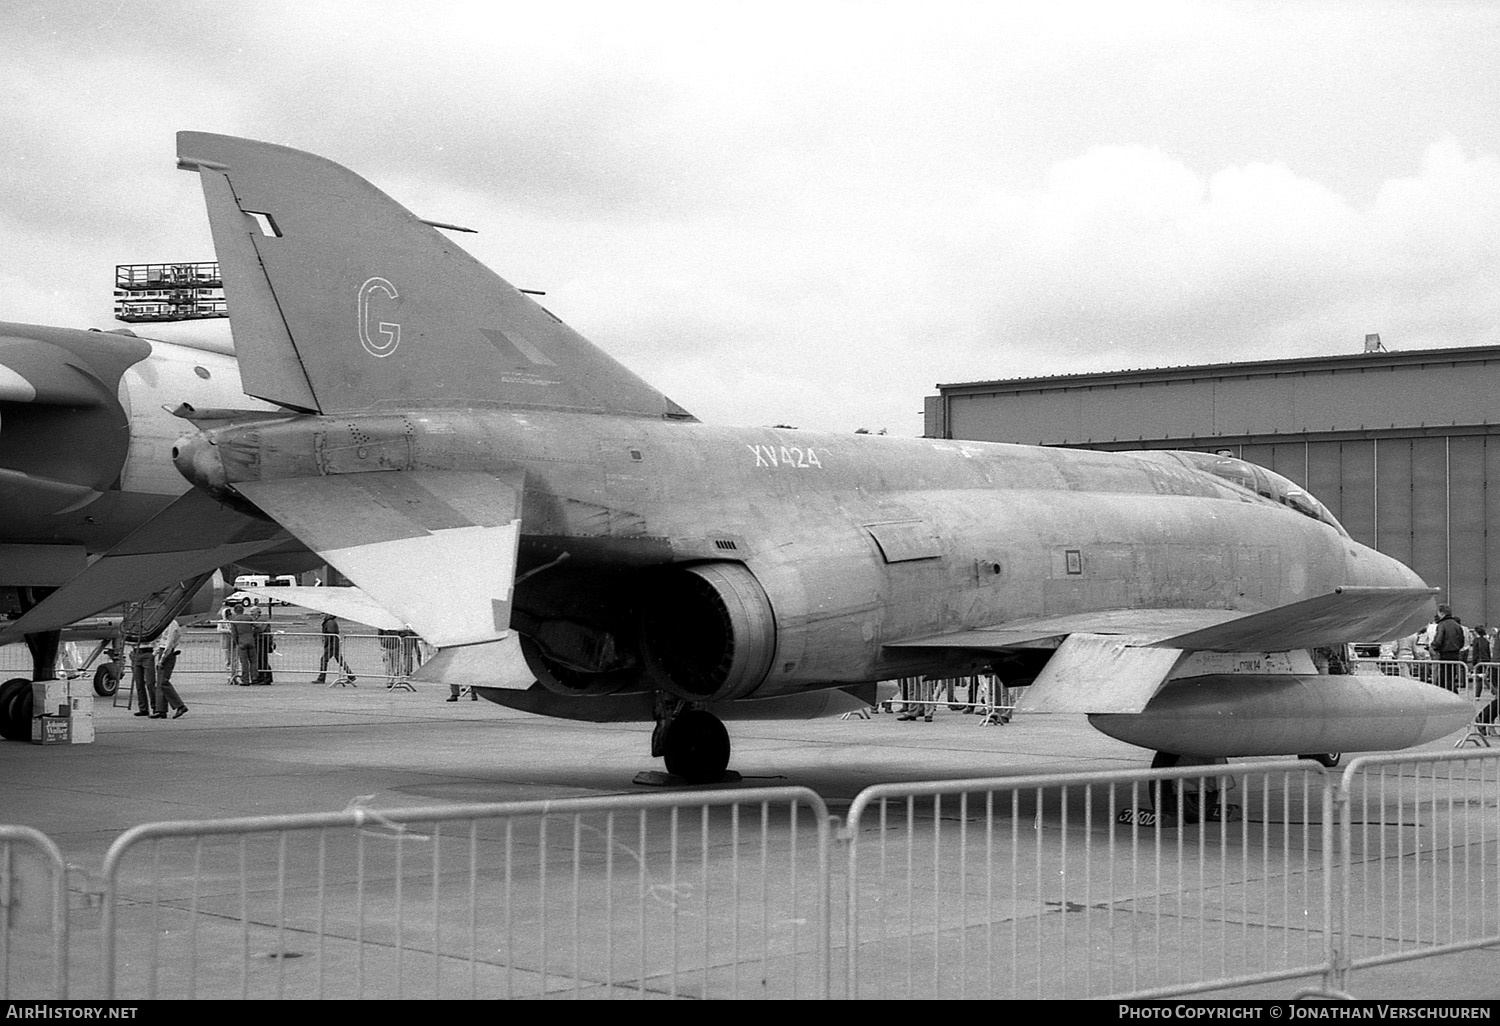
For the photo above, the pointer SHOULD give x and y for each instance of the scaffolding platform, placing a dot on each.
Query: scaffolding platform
(169, 292)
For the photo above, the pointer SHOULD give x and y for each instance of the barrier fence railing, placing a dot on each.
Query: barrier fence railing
(1131, 884)
(591, 897)
(286, 648)
(983, 694)
(1419, 855)
(951, 893)
(33, 914)
(1448, 673)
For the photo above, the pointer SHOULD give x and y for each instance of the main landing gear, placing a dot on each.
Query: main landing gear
(15, 694)
(693, 742)
(1200, 801)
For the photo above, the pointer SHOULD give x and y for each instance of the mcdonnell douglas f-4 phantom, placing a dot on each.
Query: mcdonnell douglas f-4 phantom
(478, 468)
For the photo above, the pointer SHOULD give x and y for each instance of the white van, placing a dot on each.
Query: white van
(252, 590)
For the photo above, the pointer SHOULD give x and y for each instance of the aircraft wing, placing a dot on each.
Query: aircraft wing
(195, 534)
(1142, 626)
(1344, 614)
(435, 548)
(1115, 661)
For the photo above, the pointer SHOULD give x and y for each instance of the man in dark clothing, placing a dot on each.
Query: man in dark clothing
(1447, 644)
(333, 651)
(1479, 659)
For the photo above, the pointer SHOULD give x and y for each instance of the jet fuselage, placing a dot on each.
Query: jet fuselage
(858, 541)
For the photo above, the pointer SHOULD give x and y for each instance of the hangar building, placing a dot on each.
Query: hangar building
(1400, 446)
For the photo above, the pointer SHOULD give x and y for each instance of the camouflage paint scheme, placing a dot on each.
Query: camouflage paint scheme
(85, 444)
(483, 471)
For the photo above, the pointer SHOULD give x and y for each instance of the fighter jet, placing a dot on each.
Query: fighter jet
(487, 474)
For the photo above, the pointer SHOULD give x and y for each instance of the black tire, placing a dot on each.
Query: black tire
(696, 747)
(15, 709)
(106, 682)
(1328, 759)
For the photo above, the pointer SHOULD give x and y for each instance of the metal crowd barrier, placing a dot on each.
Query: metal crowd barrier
(1419, 856)
(983, 694)
(293, 650)
(596, 897)
(33, 914)
(1133, 884)
(1452, 674)
(951, 893)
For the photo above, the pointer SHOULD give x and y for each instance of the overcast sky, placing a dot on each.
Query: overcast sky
(811, 212)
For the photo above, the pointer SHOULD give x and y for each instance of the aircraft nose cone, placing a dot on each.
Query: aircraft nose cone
(1375, 569)
(197, 459)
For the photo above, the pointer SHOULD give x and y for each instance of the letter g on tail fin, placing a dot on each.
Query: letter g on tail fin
(343, 301)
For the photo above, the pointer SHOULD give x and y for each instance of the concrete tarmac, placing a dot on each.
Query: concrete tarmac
(297, 747)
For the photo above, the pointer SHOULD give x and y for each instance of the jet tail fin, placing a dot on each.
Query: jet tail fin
(341, 300)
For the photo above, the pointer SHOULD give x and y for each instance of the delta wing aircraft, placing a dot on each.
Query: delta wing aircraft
(482, 470)
(85, 460)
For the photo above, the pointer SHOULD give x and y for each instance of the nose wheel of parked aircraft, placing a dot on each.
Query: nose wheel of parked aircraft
(693, 742)
(1329, 759)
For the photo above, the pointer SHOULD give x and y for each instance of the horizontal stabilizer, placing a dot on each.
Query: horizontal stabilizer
(1097, 673)
(344, 603)
(495, 664)
(437, 549)
(1343, 615)
(193, 535)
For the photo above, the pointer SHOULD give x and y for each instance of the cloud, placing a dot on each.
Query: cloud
(1127, 252)
(809, 213)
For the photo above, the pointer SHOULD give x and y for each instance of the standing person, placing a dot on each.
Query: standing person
(244, 646)
(264, 646)
(167, 650)
(142, 677)
(226, 637)
(333, 649)
(923, 696)
(1479, 656)
(1447, 644)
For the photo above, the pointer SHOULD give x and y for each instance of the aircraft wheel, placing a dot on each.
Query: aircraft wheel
(106, 681)
(1329, 759)
(15, 709)
(696, 747)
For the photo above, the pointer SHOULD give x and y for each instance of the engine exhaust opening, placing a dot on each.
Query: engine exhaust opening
(708, 632)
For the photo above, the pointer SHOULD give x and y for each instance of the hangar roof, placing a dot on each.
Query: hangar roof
(1363, 394)
(1401, 359)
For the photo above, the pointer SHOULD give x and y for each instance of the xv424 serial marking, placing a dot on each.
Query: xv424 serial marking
(787, 456)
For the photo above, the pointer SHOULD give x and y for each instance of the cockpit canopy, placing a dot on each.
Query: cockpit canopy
(1265, 483)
